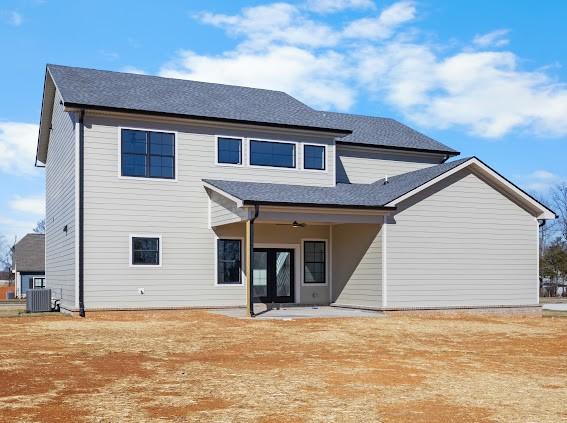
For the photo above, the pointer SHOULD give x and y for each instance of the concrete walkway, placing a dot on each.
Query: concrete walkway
(296, 312)
(555, 307)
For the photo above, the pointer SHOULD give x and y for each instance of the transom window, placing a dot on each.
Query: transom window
(229, 150)
(314, 262)
(271, 153)
(148, 154)
(145, 251)
(229, 256)
(314, 157)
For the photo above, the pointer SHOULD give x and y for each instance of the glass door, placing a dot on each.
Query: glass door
(274, 275)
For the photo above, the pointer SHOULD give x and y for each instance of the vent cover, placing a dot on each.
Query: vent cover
(38, 300)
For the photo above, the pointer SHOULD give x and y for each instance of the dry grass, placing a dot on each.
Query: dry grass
(195, 366)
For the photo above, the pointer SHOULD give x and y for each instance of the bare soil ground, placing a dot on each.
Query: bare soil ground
(195, 366)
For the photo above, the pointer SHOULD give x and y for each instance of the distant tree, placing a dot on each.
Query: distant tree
(553, 264)
(6, 253)
(559, 199)
(40, 227)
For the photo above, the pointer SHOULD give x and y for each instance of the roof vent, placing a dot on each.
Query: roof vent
(385, 179)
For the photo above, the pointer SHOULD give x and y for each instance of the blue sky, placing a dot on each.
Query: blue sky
(487, 78)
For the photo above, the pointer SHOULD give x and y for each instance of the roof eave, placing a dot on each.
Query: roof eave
(318, 205)
(333, 131)
(450, 153)
(46, 115)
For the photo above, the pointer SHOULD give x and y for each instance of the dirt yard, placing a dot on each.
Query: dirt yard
(195, 366)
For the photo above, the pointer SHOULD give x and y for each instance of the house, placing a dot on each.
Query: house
(166, 193)
(29, 263)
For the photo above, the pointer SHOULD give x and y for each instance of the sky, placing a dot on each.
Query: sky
(486, 78)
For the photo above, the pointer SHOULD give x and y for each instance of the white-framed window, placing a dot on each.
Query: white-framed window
(39, 282)
(229, 150)
(145, 250)
(314, 157)
(228, 261)
(268, 153)
(314, 262)
(147, 154)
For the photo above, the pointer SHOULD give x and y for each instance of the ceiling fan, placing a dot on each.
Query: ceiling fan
(294, 224)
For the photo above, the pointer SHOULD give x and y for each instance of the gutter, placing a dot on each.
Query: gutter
(341, 131)
(81, 211)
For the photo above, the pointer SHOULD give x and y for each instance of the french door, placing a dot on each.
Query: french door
(274, 275)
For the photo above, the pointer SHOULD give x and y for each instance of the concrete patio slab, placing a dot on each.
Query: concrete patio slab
(264, 312)
(555, 307)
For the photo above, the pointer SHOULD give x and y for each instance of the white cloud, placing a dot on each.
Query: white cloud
(495, 38)
(282, 46)
(15, 227)
(540, 181)
(332, 6)
(273, 23)
(314, 78)
(383, 26)
(15, 18)
(133, 69)
(29, 205)
(18, 143)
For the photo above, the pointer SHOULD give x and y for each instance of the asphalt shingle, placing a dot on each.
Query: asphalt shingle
(375, 195)
(29, 253)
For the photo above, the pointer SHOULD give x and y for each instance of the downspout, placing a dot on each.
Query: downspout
(251, 250)
(81, 211)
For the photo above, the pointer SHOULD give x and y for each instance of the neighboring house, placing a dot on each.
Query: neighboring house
(5, 278)
(160, 190)
(29, 263)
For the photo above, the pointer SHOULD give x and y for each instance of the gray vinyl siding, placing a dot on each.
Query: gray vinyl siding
(224, 211)
(60, 206)
(178, 211)
(357, 265)
(366, 165)
(462, 243)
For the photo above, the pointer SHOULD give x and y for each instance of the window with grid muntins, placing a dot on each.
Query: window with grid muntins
(148, 154)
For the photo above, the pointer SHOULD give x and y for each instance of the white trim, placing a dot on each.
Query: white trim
(384, 231)
(143, 178)
(76, 220)
(325, 154)
(38, 277)
(238, 201)
(18, 282)
(144, 266)
(326, 262)
(297, 272)
(296, 154)
(216, 158)
(545, 213)
(216, 262)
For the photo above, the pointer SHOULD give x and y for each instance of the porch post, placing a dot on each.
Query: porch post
(250, 262)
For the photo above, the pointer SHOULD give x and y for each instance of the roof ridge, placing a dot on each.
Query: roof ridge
(174, 79)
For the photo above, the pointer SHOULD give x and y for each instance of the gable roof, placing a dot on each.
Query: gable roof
(82, 88)
(29, 253)
(108, 90)
(384, 132)
(377, 195)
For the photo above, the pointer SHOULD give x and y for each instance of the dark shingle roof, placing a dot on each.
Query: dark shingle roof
(29, 253)
(144, 93)
(151, 94)
(385, 132)
(375, 195)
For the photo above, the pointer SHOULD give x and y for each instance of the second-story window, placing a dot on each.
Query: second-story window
(271, 153)
(229, 150)
(148, 154)
(314, 157)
